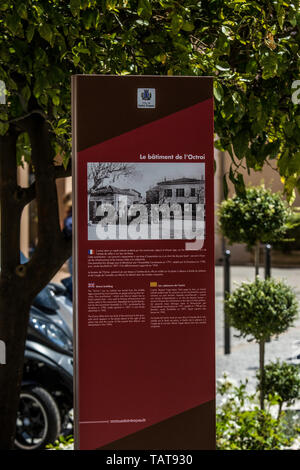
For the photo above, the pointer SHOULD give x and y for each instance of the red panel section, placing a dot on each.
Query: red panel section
(186, 131)
(133, 376)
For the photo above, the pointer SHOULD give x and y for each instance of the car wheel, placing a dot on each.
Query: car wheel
(38, 419)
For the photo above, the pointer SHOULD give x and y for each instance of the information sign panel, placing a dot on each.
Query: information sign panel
(144, 262)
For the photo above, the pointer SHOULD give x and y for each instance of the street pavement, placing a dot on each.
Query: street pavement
(243, 360)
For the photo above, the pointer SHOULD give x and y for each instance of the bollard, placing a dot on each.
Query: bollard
(268, 261)
(226, 292)
(268, 268)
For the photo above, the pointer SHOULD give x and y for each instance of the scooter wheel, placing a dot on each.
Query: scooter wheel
(38, 419)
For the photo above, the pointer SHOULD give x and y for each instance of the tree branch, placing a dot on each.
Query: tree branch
(52, 249)
(45, 182)
(25, 117)
(26, 195)
(10, 209)
(41, 267)
(62, 172)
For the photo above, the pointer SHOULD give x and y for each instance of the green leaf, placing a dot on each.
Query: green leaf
(294, 163)
(226, 31)
(240, 144)
(255, 107)
(222, 45)
(76, 60)
(272, 149)
(289, 128)
(30, 32)
(251, 66)
(297, 119)
(55, 100)
(176, 23)
(83, 50)
(218, 90)
(227, 109)
(46, 32)
(223, 67)
(144, 9)
(26, 93)
(283, 162)
(269, 65)
(5, 54)
(3, 128)
(188, 26)
(280, 17)
(240, 187)
(75, 7)
(14, 25)
(111, 5)
(87, 19)
(38, 87)
(231, 175)
(22, 11)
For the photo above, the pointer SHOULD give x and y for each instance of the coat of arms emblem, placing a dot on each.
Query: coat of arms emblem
(146, 95)
(146, 98)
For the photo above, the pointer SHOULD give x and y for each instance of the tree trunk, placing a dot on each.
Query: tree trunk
(256, 258)
(262, 373)
(19, 284)
(13, 328)
(13, 306)
(279, 411)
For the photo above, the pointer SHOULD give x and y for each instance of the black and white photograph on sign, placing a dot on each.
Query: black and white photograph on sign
(142, 201)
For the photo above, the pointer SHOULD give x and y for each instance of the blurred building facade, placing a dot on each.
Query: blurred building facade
(271, 179)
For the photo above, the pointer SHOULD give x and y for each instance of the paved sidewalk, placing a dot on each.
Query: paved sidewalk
(243, 361)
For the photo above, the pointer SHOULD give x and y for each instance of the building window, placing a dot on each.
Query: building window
(180, 192)
(193, 192)
(168, 193)
(194, 209)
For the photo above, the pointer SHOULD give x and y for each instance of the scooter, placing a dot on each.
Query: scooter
(46, 398)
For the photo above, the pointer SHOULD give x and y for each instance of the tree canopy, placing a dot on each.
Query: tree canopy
(251, 48)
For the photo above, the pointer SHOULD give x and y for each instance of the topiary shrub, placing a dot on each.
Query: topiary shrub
(257, 216)
(291, 241)
(283, 380)
(242, 425)
(259, 310)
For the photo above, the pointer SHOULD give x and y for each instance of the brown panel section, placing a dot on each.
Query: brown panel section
(107, 105)
(191, 430)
